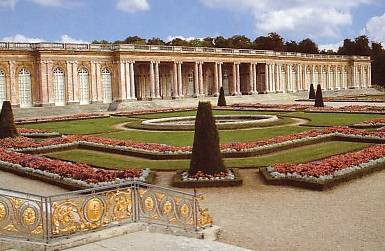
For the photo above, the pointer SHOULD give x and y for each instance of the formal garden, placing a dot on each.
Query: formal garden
(314, 147)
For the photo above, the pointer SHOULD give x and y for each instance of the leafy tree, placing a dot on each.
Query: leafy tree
(291, 46)
(206, 155)
(221, 42)
(222, 98)
(179, 42)
(348, 48)
(308, 46)
(155, 41)
(319, 102)
(132, 40)
(240, 42)
(272, 42)
(208, 42)
(100, 42)
(362, 46)
(7, 122)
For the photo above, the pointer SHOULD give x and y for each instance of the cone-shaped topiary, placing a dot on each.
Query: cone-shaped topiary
(222, 99)
(7, 123)
(311, 92)
(319, 101)
(206, 154)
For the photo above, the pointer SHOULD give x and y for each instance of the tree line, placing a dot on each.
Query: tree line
(360, 46)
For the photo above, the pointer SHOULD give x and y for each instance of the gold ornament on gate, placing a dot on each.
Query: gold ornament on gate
(29, 216)
(149, 203)
(3, 211)
(94, 210)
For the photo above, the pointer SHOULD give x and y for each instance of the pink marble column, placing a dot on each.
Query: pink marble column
(14, 88)
(201, 88)
(75, 80)
(196, 79)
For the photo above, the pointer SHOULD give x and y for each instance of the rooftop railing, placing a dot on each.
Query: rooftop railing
(162, 48)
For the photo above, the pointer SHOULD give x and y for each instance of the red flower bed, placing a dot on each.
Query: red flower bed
(150, 111)
(22, 142)
(28, 130)
(278, 107)
(65, 169)
(352, 109)
(332, 164)
(61, 118)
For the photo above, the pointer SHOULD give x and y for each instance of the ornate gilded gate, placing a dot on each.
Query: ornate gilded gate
(38, 218)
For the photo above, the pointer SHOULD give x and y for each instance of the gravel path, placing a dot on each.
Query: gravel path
(261, 217)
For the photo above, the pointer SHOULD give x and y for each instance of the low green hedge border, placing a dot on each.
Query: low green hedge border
(317, 185)
(178, 182)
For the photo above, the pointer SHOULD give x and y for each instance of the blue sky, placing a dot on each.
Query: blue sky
(328, 22)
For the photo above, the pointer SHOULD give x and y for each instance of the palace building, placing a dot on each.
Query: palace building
(56, 74)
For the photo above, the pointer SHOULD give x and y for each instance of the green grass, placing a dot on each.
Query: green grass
(296, 155)
(103, 127)
(87, 126)
(334, 119)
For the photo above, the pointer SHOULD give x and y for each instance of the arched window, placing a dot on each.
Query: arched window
(3, 92)
(59, 89)
(107, 89)
(25, 92)
(83, 86)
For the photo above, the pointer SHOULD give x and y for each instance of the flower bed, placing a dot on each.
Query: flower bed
(328, 172)
(375, 123)
(274, 107)
(350, 109)
(78, 175)
(230, 178)
(36, 133)
(79, 116)
(152, 111)
(162, 151)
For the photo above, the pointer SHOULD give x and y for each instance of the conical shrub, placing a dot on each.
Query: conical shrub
(206, 154)
(319, 101)
(7, 122)
(311, 92)
(222, 98)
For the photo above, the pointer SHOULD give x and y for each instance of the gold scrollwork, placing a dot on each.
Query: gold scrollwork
(205, 219)
(149, 203)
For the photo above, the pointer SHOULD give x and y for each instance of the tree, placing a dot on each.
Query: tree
(312, 92)
(319, 102)
(348, 47)
(206, 155)
(7, 122)
(221, 42)
(291, 46)
(132, 40)
(100, 42)
(362, 47)
(272, 42)
(208, 42)
(179, 42)
(308, 46)
(240, 42)
(155, 41)
(222, 98)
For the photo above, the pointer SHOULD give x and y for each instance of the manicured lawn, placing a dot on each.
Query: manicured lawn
(334, 119)
(104, 127)
(87, 126)
(296, 155)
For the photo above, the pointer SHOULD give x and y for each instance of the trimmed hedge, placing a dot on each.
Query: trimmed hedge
(178, 182)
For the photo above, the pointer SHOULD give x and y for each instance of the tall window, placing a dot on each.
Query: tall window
(83, 85)
(25, 93)
(3, 93)
(107, 89)
(190, 89)
(59, 89)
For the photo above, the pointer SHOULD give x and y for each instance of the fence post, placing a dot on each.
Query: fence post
(195, 205)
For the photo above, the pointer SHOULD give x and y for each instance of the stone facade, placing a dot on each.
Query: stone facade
(46, 74)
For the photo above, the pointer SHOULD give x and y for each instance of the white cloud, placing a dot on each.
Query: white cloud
(132, 5)
(170, 38)
(7, 4)
(316, 18)
(19, 38)
(67, 39)
(375, 28)
(333, 47)
(57, 3)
